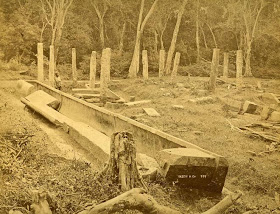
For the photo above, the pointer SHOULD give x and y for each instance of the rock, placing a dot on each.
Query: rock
(86, 90)
(132, 98)
(178, 107)
(275, 116)
(249, 107)
(270, 98)
(266, 112)
(137, 102)
(151, 112)
(202, 100)
(193, 168)
(87, 96)
(148, 167)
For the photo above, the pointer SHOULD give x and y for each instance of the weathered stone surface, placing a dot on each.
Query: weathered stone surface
(93, 100)
(270, 98)
(137, 102)
(202, 100)
(148, 167)
(25, 88)
(151, 112)
(180, 85)
(275, 116)
(249, 107)
(193, 168)
(43, 98)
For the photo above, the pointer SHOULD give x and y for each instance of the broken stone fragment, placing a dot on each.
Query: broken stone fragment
(113, 105)
(151, 112)
(180, 85)
(249, 107)
(137, 102)
(132, 98)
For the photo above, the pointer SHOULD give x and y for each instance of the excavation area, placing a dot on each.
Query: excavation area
(57, 162)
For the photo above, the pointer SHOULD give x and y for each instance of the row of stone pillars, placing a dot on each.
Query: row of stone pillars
(161, 64)
(105, 66)
(215, 65)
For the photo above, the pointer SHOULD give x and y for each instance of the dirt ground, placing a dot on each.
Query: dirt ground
(33, 154)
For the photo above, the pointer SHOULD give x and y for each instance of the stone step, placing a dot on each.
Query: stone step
(193, 168)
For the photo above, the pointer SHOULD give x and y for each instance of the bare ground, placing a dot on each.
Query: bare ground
(70, 180)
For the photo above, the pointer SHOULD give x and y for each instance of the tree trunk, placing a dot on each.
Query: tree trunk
(135, 199)
(174, 39)
(197, 33)
(214, 70)
(101, 33)
(156, 43)
(122, 166)
(121, 40)
(134, 66)
(248, 71)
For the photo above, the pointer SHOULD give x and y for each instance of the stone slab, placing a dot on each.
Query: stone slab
(265, 113)
(151, 112)
(193, 168)
(233, 105)
(43, 98)
(140, 102)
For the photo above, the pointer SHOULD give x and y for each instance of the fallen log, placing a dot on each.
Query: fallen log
(136, 199)
(263, 135)
(224, 204)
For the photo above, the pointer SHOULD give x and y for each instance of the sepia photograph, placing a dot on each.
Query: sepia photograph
(140, 106)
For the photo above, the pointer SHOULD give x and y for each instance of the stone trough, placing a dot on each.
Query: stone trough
(91, 126)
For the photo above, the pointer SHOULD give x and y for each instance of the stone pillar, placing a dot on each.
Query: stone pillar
(239, 66)
(175, 66)
(145, 64)
(214, 69)
(161, 62)
(51, 66)
(92, 68)
(74, 66)
(40, 62)
(105, 69)
(225, 70)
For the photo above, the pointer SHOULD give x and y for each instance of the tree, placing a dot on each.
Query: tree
(174, 38)
(55, 12)
(134, 65)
